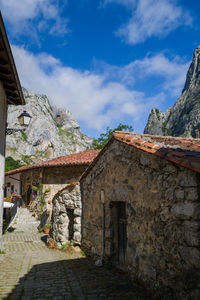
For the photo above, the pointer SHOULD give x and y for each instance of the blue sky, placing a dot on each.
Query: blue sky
(107, 61)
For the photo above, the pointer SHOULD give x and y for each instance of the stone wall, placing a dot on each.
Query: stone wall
(52, 179)
(66, 215)
(162, 212)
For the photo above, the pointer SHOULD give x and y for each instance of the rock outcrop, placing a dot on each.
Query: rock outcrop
(183, 119)
(52, 132)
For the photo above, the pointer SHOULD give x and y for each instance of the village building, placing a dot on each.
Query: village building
(10, 93)
(141, 209)
(51, 190)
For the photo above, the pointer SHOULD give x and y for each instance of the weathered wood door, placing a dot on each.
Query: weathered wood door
(118, 232)
(28, 195)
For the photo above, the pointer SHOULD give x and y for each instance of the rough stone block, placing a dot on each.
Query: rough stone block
(191, 256)
(77, 220)
(187, 178)
(179, 194)
(192, 233)
(170, 169)
(63, 219)
(77, 212)
(62, 208)
(186, 210)
(145, 159)
(192, 194)
(77, 227)
(169, 194)
(77, 236)
(165, 215)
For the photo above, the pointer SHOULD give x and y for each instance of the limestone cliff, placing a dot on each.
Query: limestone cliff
(52, 132)
(183, 119)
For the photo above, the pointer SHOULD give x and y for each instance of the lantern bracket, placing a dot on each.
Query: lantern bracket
(10, 131)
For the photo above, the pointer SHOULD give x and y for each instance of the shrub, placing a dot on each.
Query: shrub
(11, 164)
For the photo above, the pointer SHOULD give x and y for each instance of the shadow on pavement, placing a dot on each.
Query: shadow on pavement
(44, 239)
(76, 279)
(11, 229)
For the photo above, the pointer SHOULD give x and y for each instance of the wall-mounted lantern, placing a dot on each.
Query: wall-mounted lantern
(24, 120)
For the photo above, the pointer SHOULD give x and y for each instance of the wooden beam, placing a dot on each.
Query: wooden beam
(5, 79)
(12, 100)
(9, 87)
(10, 94)
(3, 62)
(4, 71)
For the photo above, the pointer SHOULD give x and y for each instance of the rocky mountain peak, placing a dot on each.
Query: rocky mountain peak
(52, 131)
(183, 119)
(193, 74)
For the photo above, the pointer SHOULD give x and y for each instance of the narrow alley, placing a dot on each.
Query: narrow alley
(30, 270)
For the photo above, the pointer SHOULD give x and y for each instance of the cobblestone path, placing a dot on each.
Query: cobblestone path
(29, 270)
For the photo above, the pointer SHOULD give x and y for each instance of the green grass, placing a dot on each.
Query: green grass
(2, 252)
(83, 253)
(24, 136)
(63, 247)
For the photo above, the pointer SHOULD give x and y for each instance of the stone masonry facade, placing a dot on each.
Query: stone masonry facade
(162, 217)
(66, 215)
(50, 180)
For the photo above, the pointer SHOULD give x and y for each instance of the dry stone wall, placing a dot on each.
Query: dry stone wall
(66, 215)
(162, 217)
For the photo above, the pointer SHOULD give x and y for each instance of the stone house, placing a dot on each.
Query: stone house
(10, 93)
(42, 182)
(12, 185)
(141, 210)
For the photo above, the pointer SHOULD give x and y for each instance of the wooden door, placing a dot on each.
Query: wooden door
(118, 232)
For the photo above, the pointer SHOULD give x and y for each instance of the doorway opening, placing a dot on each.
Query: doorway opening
(118, 232)
(70, 214)
(28, 195)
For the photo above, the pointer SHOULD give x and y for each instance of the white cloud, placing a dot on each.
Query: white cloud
(170, 72)
(93, 99)
(151, 18)
(30, 16)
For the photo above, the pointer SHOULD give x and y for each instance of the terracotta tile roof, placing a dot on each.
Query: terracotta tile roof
(181, 151)
(80, 158)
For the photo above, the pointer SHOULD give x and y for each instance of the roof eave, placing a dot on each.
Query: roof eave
(17, 99)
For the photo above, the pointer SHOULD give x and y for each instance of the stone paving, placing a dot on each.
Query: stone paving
(30, 270)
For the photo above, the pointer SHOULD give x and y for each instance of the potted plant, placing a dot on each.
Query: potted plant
(41, 229)
(47, 229)
(47, 191)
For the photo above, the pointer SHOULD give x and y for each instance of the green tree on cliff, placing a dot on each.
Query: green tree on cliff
(11, 164)
(104, 137)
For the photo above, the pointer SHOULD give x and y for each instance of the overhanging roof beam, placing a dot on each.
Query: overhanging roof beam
(5, 79)
(4, 71)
